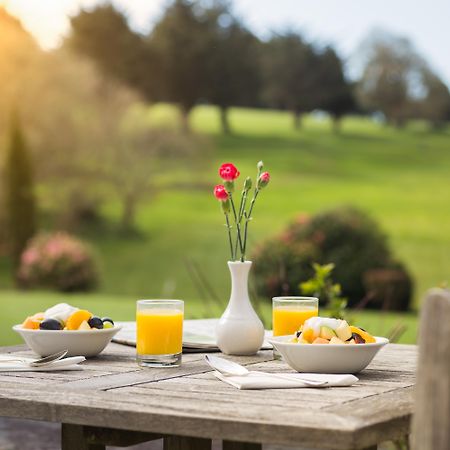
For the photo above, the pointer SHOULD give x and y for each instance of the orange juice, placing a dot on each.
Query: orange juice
(288, 319)
(159, 331)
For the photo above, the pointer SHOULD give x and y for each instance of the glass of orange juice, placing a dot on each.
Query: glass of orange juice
(289, 313)
(159, 332)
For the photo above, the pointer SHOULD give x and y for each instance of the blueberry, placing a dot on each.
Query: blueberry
(358, 339)
(50, 324)
(95, 322)
(107, 319)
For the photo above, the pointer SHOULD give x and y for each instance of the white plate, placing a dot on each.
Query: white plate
(78, 342)
(327, 358)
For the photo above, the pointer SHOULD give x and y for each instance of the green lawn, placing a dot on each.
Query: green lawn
(399, 176)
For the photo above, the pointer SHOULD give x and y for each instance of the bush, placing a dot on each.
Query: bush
(58, 261)
(345, 236)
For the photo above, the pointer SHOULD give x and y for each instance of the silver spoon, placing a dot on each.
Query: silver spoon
(40, 362)
(226, 367)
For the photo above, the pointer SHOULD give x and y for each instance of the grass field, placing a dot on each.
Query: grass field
(399, 176)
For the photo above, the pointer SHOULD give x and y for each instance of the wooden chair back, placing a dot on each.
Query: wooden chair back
(431, 422)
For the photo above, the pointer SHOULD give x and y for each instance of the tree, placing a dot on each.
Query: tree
(290, 68)
(435, 104)
(397, 81)
(233, 64)
(180, 41)
(391, 67)
(18, 53)
(19, 192)
(128, 154)
(336, 96)
(104, 36)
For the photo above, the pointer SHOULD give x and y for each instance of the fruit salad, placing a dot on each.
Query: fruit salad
(323, 330)
(66, 317)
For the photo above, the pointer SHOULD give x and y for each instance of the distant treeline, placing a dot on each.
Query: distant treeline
(197, 53)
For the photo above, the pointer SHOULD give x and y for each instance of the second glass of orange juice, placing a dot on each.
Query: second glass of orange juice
(289, 313)
(159, 332)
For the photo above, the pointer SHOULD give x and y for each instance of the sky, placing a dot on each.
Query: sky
(343, 23)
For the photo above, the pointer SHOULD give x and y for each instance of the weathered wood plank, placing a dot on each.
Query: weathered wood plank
(431, 429)
(13, 348)
(195, 388)
(190, 398)
(381, 417)
(256, 424)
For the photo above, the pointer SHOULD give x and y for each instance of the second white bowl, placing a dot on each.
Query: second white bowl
(327, 358)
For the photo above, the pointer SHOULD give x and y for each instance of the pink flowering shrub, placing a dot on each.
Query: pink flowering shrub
(347, 237)
(58, 261)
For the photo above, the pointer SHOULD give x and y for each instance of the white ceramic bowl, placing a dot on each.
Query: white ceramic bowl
(79, 342)
(327, 358)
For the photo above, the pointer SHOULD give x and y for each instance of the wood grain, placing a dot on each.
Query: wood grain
(188, 401)
(431, 430)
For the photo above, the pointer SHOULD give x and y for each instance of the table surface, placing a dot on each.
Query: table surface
(112, 391)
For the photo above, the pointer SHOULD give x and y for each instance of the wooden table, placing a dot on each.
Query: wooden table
(188, 406)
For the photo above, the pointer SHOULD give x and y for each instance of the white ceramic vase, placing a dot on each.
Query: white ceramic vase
(239, 331)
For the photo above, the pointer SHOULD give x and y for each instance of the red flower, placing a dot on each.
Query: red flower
(220, 193)
(264, 179)
(228, 172)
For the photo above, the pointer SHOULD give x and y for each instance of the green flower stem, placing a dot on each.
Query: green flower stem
(229, 236)
(248, 218)
(238, 228)
(242, 205)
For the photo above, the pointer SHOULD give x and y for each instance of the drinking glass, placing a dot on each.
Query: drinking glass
(159, 332)
(289, 313)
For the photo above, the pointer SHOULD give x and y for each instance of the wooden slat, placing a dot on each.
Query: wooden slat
(431, 429)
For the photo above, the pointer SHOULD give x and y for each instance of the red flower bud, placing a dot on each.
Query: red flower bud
(228, 172)
(264, 179)
(220, 193)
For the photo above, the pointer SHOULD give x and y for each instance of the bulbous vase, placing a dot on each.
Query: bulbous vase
(240, 330)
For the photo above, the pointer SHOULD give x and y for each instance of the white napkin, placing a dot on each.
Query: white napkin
(6, 365)
(264, 380)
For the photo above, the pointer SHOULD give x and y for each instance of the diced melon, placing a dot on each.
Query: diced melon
(302, 341)
(336, 340)
(343, 331)
(84, 326)
(320, 340)
(326, 333)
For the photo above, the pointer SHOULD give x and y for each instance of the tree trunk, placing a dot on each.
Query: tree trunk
(336, 124)
(185, 125)
(297, 119)
(226, 129)
(127, 221)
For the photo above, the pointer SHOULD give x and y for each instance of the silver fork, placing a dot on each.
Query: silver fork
(40, 362)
